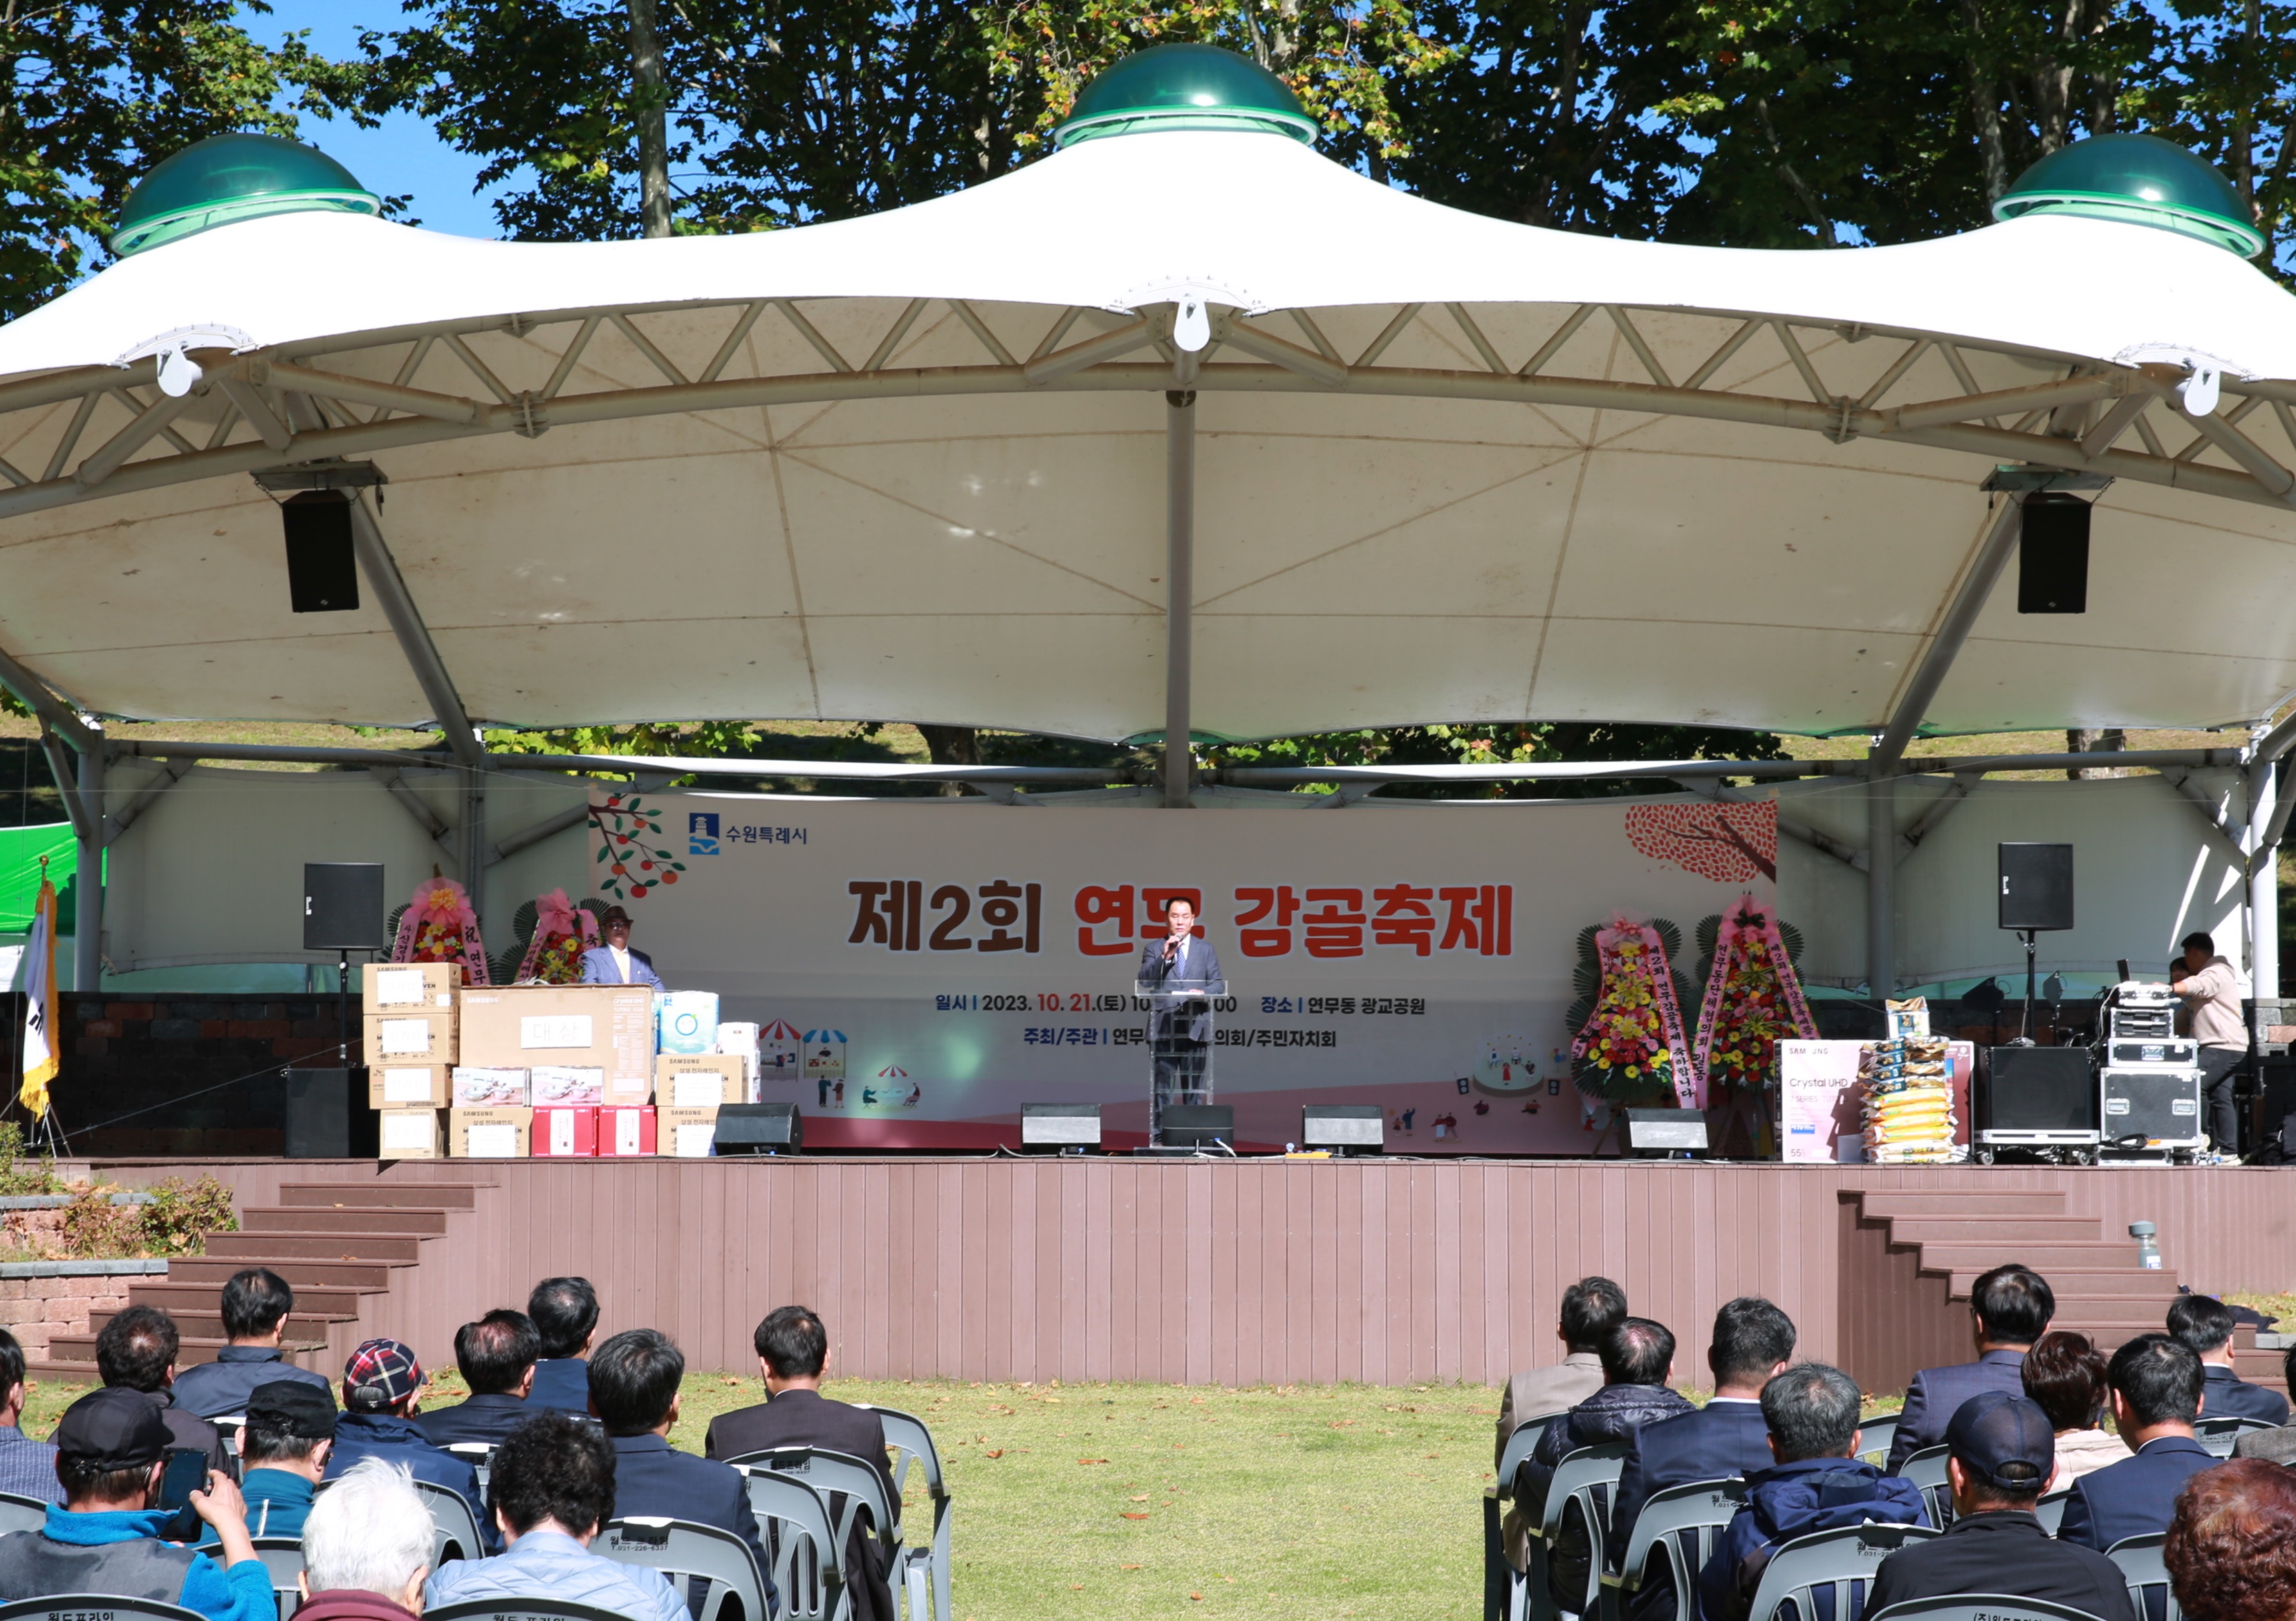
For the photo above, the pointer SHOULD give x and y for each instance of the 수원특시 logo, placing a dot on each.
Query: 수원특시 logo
(701, 834)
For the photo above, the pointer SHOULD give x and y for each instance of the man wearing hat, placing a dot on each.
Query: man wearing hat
(382, 1390)
(290, 1433)
(614, 962)
(2002, 1457)
(111, 1452)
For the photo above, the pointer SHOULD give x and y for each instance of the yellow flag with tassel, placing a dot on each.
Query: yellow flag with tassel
(40, 1000)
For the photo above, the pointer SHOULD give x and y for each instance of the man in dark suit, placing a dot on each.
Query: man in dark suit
(2203, 1324)
(2009, 1308)
(565, 1313)
(2156, 1395)
(496, 1355)
(793, 1353)
(1184, 969)
(634, 1380)
(614, 962)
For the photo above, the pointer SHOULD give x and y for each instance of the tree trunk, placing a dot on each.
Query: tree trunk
(951, 745)
(652, 119)
(2109, 740)
(1985, 101)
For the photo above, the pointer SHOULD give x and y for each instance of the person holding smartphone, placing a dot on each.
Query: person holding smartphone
(125, 1487)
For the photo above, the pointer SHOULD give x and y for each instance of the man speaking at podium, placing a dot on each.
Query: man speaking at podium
(1183, 971)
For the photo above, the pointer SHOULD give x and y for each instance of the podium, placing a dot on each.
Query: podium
(1180, 1010)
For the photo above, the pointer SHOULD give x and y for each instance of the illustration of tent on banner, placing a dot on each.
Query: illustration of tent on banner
(825, 1055)
(781, 1051)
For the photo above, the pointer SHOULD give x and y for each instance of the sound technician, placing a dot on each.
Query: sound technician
(2211, 989)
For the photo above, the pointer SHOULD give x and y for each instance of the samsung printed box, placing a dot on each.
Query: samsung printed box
(402, 1040)
(700, 1080)
(605, 1027)
(408, 987)
(411, 1134)
(489, 1134)
(410, 1087)
(687, 1133)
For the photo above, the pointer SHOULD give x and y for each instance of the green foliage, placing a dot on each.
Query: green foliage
(20, 1176)
(1517, 743)
(96, 1229)
(182, 1213)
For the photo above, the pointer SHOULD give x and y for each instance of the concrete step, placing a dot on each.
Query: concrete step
(305, 1218)
(78, 1350)
(206, 1322)
(2047, 1259)
(182, 1300)
(212, 1272)
(267, 1248)
(382, 1195)
(1946, 1202)
(1991, 1229)
(2076, 1283)
(2126, 1317)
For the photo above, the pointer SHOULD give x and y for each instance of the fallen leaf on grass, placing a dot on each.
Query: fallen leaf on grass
(1075, 1586)
(1198, 1597)
(1092, 1459)
(1130, 1515)
(733, 1384)
(998, 1453)
(1128, 1567)
(1142, 1498)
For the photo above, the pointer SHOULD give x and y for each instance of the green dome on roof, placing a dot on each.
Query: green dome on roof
(2139, 180)
(1186, 88)
(227, 178)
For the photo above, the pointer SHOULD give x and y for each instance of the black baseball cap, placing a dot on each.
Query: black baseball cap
(296, 1406)
(2003, 1441)
(114, 1428)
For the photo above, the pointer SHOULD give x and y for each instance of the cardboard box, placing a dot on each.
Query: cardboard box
(699, 1080)
(687, 1133)
(608, 1027)
(564, 1084)
(397, 1040)
(565, 1132)
(489, 1134)
(410, 1087)
(626, 1131)
(741, 1041)
(478, 1087)
(409, 987)
(411, 1134)
(687, 1021)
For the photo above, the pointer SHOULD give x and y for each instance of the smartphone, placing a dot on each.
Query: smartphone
(186, 1472)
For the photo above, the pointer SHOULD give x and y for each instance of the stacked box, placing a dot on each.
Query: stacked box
(687, 1021)
(605, 1027)
(411, 1134)
(410, 1087)
(687, 1133)
(626, 1131)
(409, 987)
(698, 1080)
(402, 1040)
(479, 1086)
(567, 1084)
(739, 1041)
(565, 1132)
(489, 1134)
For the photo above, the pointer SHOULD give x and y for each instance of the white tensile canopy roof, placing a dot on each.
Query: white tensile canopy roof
(914, 466)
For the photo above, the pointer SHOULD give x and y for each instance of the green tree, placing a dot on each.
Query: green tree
(1509, 744)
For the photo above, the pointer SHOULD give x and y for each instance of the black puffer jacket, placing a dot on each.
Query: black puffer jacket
(1612, 1413)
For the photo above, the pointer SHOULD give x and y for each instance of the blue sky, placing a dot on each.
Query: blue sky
(405, 155)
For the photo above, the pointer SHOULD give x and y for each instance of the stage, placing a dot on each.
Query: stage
(1390, 1271)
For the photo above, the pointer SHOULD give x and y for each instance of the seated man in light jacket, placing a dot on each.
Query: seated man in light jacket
(614, 962)
(551, 1492)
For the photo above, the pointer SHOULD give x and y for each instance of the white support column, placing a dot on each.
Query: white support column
(473, 851)
(2263, 881)
(87, 943)
(1881, 883)
(1179, 591)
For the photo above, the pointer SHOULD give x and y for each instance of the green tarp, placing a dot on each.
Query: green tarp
(20, 849)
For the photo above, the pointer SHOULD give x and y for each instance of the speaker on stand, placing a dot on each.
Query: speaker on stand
(2036, 894)
(342, 912)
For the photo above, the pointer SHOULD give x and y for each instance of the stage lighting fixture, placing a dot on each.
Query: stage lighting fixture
(1344, 1128)
(1066, 1128)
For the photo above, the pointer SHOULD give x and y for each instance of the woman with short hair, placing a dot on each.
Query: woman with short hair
(2064, 1373)
(2230, 1551)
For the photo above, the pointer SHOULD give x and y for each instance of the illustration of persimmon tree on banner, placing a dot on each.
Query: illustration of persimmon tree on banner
(1730, 844)
(629, 861)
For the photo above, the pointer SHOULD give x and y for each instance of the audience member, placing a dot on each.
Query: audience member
(794, 1354)
(551, 1491)
(1591, 1308)
(2009, 1308)
(2156, 1395)
(2064, 1375)
(1816, 1482)
(634, 1380)
(111, 1449)
(2273, 1445)
(1753, 1341)
(256, 1305)
(137, 1351)
(2003, 1457)
(2230, 1551)
(496, 1355)
(27, 1467)
(366, 1548)
(284, 1451)
(2204, 1325)
(565, 1313)
(382, 1392)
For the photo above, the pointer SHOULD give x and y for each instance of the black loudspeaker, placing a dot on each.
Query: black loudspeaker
(327, 1116)
(761, 1128)
(2053, 554)
(322, 567)
(2037, 886)
(342, 905)
(1199, 1126)
(2035, 1089)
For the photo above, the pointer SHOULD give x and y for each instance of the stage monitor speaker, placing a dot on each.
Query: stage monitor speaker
(2053, 554)
(1199, 1126)
(327, 1116)
(2035, 1089)
(2037, 886)
(1059, 1126)
(322, 565)
(761, 1128)
(1344, 1128)
(342, 905)
(1654, 1133)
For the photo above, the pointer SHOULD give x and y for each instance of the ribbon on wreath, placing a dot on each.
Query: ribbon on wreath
(1635, 1033)
(561, 933)
(1753, 1001)
(439, 926)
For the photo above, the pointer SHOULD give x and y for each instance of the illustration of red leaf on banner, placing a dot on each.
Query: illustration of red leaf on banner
(1730, 844)
(1631, 1048)
(1753, 1002)
(439, 926)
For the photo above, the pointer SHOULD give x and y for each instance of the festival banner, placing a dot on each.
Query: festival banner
(948, 961)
